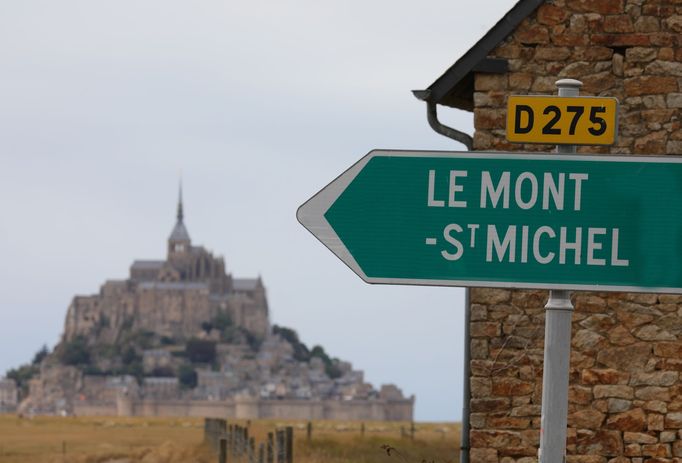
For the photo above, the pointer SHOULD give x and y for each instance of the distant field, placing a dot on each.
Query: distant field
(179, 440)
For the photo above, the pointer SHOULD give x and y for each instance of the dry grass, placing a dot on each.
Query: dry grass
(178, 440)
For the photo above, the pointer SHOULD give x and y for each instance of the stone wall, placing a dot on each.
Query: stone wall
(625, 398)
(246, 408)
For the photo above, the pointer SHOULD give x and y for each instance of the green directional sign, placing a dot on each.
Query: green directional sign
(506, 220)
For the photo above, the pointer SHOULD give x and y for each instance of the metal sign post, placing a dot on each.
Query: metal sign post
(558, 317)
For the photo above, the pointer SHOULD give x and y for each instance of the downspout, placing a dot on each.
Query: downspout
(437, 126)
(466, 140)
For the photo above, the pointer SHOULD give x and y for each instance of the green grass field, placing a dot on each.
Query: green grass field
(179, 440)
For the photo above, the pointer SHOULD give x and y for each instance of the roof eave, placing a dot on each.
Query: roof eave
(455, 87)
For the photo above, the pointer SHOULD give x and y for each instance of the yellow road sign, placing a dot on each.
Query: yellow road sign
(562, 120)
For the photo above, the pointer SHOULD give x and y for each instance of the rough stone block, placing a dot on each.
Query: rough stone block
(603, 376)
(618, 23)
(585, 459)
(674, 23)
(487, 118)
(622, 40)
(652, 143)
(632, 450)
(673, 420)
(579, 395)
(653, 393)
(630, 358)
(633, 421)
(667, 437)
(550, 15)
(511, 387)
(532, 34)
(668, 349)
(597, 6)
(495, 439)
(657, 406)
(480, 387)
(677, 448)
(657, 378)
(484, 329)
(488, 405)
(639, 438)
(586, 419)
(618, 405)
(664, 68)
(487, 82)
(640, 54)
(479, 312)
(483, 455)
(657, 450)
(655, 422)
(506, 422)
(646, 85)
(490, 296)
(616, 391)
(601, 442)
(647, 24)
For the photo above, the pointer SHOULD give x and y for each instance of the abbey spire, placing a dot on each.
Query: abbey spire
(179, 241)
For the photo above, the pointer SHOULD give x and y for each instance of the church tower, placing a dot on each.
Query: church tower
(178, 241)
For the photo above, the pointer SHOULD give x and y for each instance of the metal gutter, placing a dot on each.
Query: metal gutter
(437, 126)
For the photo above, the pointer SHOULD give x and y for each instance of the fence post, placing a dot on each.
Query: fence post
(290, 444)
(245, 442)
(412, 429)
(271, 448)
(237, 440)
(261, 453)
(309, 430)
(252, 450)
(362, 429)
(222, 457)
(279, 441)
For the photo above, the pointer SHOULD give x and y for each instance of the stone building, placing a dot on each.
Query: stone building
(625, 395)
(171, 297)
(9, 395)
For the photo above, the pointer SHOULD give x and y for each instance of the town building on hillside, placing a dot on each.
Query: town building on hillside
(9, 395)
(182, 336)
(624, 404)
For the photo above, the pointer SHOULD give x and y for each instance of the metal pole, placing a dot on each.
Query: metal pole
(466, 389)
(558, 315)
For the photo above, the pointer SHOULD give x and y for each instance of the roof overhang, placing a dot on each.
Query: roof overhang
(455, 88)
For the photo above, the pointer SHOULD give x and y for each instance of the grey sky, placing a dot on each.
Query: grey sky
(258, 104)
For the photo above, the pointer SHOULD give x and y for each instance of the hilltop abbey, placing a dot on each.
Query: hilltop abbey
(183, 337)
(172, 297)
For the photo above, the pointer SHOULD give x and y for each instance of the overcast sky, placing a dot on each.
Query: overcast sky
(258, 105)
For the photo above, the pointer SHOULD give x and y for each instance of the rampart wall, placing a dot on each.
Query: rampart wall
(347, 410)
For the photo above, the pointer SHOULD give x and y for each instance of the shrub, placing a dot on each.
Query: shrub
(301, 352)
(40, 355)
(22, 375)
(130, 355)
(221, 321)
(75, 352)
(187, 376)
(330, 366)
